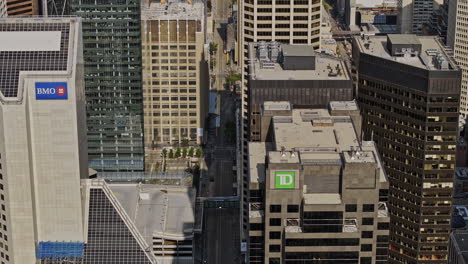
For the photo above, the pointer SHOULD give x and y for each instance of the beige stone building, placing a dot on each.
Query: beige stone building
(456, 38)
(175, 78)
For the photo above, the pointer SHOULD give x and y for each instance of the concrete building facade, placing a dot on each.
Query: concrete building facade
(415, 14)
(43, 152)
(295, 73)
(175, 72)
(316, 193)
(456, 38)
(408, 93)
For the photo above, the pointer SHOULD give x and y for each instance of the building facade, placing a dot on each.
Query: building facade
(43, 151)
(457, 34)
(458, 247)
(3, 8)
(415, 14)
(316, 194)
(409, 92)
(295, 73)
(113, 82)
(22, 7)
(175, 82)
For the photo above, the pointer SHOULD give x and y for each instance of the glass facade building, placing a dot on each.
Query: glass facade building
(112, 53)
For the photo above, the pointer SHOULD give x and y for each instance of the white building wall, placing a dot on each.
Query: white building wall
(42, 159)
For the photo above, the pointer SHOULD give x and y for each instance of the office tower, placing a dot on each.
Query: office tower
(3, 8)
(112, 54)
(439, 21)
(408, 92)
(458, 247)
(42, 139)
(316, 194)
(456, 39)
(380, 13)
(415, 14)
(175, 82)
(284, 21)
(295, 73)
(22, 7)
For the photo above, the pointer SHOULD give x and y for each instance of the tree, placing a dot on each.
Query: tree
(171, 154)
(233, 78)
(213, 48)
(199, 152)
(177, 153)
(190, 152)
(164, 153)
(184, 143)
(184, 152)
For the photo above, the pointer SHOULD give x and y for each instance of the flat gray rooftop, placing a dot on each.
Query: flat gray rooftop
(377, 46)
(173, 10)
(343, 106)
(404, 39)
(315, 128)
(298, 50)
(158, 211)
(323, 65)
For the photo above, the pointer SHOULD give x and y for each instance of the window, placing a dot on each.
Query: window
(275, 221)
(293, 208)
(366, 260)
(367, 234)
(274, 261)
(367, 221)
(275, 248)
(351, 208)
(256, 226)
(366, 247)
(275, 235)
(368, 208)
(382, 226)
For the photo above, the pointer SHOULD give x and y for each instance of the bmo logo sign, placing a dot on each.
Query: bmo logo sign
(51, 90)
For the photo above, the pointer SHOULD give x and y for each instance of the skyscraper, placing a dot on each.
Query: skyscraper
(456, 38)
(112, 54)
(414, 14)
(22, 7)
(408, 91)
(316, 193)
(42, 139)
(175, 82)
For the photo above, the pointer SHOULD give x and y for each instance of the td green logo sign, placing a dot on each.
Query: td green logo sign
(285, 179)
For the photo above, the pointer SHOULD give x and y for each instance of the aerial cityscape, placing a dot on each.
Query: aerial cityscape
(233, 131)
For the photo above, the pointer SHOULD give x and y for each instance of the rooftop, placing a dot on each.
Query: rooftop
(298, 50)
(159, 211)
(431, 55)
(316, 129)
(343, 106)
(257, 154)
(33, 44)
(270, 67)
(276, 105)
(171, 10)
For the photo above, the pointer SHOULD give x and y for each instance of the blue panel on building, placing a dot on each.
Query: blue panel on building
(51, 90)
(59, 250)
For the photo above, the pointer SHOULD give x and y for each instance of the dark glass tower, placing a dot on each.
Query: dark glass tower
(112, 53)
(409, 91)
